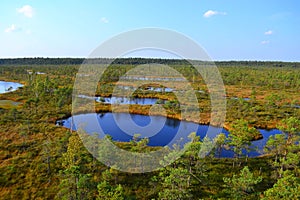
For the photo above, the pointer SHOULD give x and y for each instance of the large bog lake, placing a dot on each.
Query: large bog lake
(161, 131)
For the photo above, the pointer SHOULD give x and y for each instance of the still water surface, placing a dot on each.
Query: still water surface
(165, 131)
(9, 86)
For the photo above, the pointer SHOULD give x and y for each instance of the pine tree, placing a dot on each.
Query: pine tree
(240, 137)
(219, 142)
(241, 186)
(175, 185)
(285, 146)
(108, 192)
(74, 184)
(286, 188)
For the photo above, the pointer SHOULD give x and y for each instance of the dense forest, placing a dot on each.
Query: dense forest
(42, 160)
(138, 61)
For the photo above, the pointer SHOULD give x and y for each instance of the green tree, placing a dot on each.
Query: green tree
(285, 146)
(72, 156)
(275, 145)
(105, 153)
(291, 128)
(206, 147)
(286, 188)
(108, 192)
(171, 158)
(74, 184)
(175, 185)
(241, 186)
(138, 144)
(191, 154)
(192, 149)
(219, 142)
(240, 137)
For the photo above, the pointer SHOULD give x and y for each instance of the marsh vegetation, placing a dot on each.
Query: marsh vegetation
(40, 159)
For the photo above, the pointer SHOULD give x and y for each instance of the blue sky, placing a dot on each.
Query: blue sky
(226, 29)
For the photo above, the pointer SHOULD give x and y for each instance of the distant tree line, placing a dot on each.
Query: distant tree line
(138, 61)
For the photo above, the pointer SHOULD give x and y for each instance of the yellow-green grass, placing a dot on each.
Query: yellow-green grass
(8, 104)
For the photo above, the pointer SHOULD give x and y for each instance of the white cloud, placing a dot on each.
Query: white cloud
(26, 10)
(270, 32)
(12, 28)
(265, 42)
(211, 13)
(104, 20)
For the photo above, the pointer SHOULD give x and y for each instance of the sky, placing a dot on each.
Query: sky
(267, 30)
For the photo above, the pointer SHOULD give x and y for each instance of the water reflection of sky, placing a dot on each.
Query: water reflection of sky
(172, 131)
(125, 100)
(9, 86)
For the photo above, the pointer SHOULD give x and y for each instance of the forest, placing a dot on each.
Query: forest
(39, 159)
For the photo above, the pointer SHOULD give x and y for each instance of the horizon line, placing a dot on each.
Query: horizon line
(154, 58)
